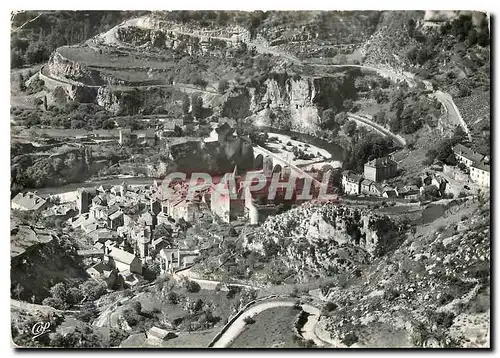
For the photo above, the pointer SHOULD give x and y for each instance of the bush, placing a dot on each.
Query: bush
(192, 286)
(223, 86)
(173, 298)
(330, 306)
(349, 339)
(55, 303)
(88, 312)
(249, 320)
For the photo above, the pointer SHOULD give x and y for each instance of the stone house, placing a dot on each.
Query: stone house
(480, 174)
(123, 260)
(366, 185)
(103, 272)
(173, 259)
(380, 169)
(351, 183)
(28, 201)
(466, 155)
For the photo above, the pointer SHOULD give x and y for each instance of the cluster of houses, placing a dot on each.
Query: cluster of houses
(371, 182)
(478, 164)
(376, 171)
(121, 221)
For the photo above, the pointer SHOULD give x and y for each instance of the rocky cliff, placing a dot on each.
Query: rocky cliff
(289, 102)
(324, 239)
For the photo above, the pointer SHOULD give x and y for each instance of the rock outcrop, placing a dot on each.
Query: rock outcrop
(324, 238)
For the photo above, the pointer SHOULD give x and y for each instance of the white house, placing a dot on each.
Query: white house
(480, 174)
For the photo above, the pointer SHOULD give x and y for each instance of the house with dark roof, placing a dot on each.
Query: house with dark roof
(103, 272)
(366, 184)
(170, 123)
(466, 155)
(351, 182)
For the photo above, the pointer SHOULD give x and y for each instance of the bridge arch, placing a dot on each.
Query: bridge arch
(268, 164)
(258, 163)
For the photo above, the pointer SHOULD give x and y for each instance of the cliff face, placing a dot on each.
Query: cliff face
(324, 239)
(62, 68)
(287, 102)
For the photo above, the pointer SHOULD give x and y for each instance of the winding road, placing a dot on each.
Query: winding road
(237, 327)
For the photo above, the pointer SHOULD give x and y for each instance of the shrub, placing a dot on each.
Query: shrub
(349, 339)
(173, 298)
(249, 320)
(137, 307)
(192, 286)
(330, 306)
(223, 86)
(54, 302)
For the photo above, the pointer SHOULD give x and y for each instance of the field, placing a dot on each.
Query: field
(277, 323)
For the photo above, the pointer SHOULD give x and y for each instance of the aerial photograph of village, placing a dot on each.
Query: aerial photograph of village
(250, 179)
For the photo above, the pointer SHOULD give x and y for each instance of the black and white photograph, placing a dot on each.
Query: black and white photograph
(283, 179)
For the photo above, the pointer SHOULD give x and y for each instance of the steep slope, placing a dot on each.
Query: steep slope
(433, 291)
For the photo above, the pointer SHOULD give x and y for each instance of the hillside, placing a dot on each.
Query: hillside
(432, 291)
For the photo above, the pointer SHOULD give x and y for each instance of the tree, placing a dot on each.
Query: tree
(430, 192)
(58, 291)
(411, 27)
(192, 286)
(173, 298)
(185, 104)
(178, 131)
(55, 303)
(472, 37)
(197, 106)
(88, 312)
(223, 86)
(22, 86)
(92, 290)
(349, 128)
(16, 59)
(137, 306)
(18, 290)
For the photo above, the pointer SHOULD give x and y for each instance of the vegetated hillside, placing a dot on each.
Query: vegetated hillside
(61, 165)
(44, 265)
(390, 41)
(476, 112)
(36, 34)
(432, 291)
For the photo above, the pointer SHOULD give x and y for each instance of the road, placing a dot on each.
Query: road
(384, 131)
(452, 111)
(239, 324)
(453, 114)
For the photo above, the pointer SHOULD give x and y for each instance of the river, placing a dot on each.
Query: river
(336, 151)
